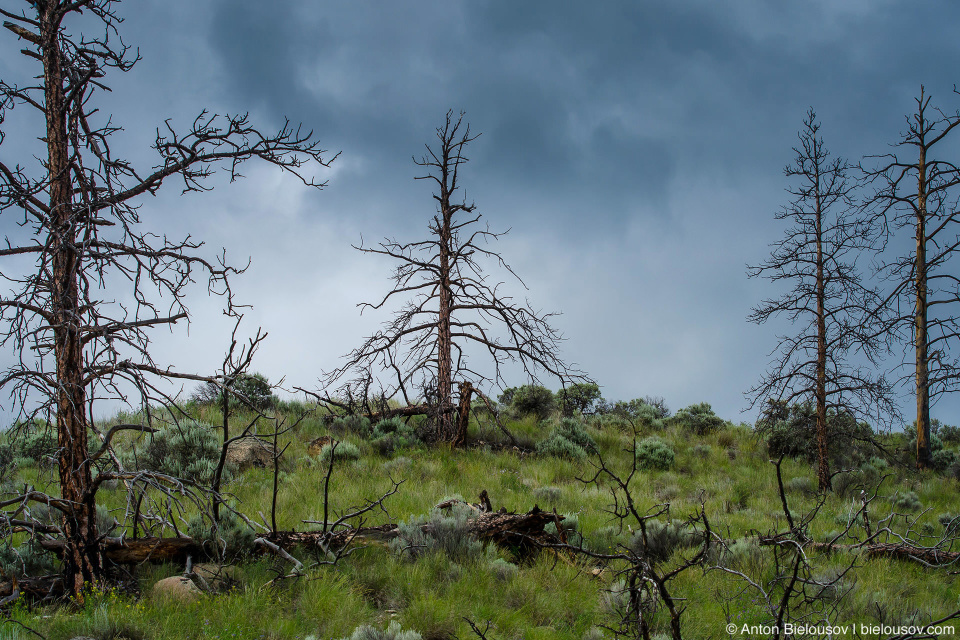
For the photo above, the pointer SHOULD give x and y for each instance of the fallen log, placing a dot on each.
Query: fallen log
(512, 530)
(127, 551)
(36, 588)
(930, 556)
(408, 411)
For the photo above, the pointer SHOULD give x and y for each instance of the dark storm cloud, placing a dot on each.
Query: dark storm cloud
(635, 148)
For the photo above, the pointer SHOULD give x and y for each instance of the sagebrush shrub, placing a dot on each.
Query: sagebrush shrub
(791, 430)
(605, 539)
(568, 439)
(231, 538)
(950, 524)
(663, 538)
(846, 485)
(447, 533)
(699, 418)
(393, 632)
(574, 431)
(743, 555)
(189, 450)
(560, 447)
(908, 501)
(344, 452)
(654, 454)
(571, 528)
(38, 443)
(392, 434)
(702, 450)
(942, 460)
(28, 559)
(502, 570)
(346, 425)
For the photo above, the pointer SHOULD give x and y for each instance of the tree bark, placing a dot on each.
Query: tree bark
(155, 550)
(81, 560)
(920, 325)
(463, 416)
(445, 426)
(823, 451)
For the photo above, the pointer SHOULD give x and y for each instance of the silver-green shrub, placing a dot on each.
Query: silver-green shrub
(654, 454)
(663, 538)
(189, 450)
(448, 533)
(393, 632)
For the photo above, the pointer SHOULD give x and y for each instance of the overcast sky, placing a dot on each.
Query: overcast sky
(634, 149)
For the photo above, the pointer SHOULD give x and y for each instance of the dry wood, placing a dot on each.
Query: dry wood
(930, 556)
(125, 551)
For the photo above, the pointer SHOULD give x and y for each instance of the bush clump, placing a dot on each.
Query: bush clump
(908, 501)
(502, 570)
(654, 454)
(392, 434)
(356, 425)
(699, 418)
(801, 484)
(448, 533)
(790, 430)
(632, 409)
(559, 447)
(189, 450)
(663, 538)
(568, 439)
(231, 538)
(393, 632)
(343, 452)
(254, 388)
(529, 399)
(35, 441)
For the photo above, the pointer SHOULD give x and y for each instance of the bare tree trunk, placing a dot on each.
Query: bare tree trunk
(823, 451)
(446, 428)
(920, 327)
(82, 560)
(463, 416)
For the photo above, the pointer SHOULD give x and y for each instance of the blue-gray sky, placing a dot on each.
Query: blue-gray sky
(634, 149)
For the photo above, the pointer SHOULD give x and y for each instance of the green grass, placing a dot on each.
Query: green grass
(550, 597)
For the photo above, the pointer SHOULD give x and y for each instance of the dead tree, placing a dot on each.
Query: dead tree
(919, 193)
(79, 233)
(453, 309)
(828, 301)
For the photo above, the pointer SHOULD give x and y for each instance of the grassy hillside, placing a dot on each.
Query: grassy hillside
(557, 594)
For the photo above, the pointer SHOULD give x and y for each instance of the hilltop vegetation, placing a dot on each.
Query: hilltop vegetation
(436, 583)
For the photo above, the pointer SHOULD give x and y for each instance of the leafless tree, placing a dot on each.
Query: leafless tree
(79, 225)
(828, 300)
(454, 308)
(919, 193)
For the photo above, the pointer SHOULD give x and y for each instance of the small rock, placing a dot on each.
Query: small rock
(177, 588)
